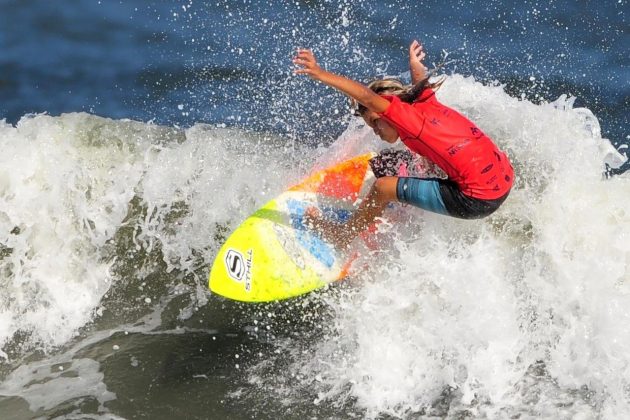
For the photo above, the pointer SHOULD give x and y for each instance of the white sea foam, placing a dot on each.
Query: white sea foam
(467, 308)
(66, 188)
(45, 385)
(68, 376)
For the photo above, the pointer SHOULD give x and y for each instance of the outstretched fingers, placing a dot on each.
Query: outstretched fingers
(306, 61)
(417, 68)
(303, 56)
(416, 51)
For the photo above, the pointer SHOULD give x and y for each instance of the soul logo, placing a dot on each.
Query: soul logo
(239, 267)
(235, 264)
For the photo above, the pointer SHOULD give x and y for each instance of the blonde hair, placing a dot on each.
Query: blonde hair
(394, 87)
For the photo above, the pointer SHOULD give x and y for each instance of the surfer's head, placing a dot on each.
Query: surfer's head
(381, 127)
(391, 87)
(394, 87)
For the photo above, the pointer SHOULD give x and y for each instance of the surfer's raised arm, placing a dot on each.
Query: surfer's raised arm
(416, 68)
(357, 91)
(480, 175)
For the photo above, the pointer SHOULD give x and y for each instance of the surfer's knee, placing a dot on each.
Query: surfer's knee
(385, 189)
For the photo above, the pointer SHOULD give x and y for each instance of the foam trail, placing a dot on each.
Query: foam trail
(68, 375)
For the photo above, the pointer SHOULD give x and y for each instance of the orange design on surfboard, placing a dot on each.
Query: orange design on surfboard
(344, 182)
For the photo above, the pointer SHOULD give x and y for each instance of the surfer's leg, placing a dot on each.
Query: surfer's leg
(342, 234)
(382, 193)
(420, 192)
(443, 196)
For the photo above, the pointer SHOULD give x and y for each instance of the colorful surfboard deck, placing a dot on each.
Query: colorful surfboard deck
(272, 255)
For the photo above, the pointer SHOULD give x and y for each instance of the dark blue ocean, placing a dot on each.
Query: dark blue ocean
(136, 135)
(181, 63)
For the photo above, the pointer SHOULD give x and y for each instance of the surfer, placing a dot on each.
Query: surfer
(480, 175)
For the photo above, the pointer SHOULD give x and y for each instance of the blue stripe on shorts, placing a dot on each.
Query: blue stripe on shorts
(423, 193)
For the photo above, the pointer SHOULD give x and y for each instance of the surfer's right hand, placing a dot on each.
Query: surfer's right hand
(307, 63)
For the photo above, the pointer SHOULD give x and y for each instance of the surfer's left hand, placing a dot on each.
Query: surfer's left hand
(308, 63)
(416, 67)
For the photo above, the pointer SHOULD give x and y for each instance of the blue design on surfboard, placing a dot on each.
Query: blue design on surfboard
(319, 248)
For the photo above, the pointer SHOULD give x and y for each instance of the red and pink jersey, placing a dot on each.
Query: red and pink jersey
(454, 143)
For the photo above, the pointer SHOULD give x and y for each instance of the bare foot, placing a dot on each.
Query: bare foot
(330, 231)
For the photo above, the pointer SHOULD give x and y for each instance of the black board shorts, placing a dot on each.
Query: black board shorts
(464, 207)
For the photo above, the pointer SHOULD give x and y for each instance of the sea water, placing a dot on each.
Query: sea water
(108, 227)
(104, 279)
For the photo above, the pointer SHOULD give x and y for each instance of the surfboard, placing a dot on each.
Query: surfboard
(273, 255)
